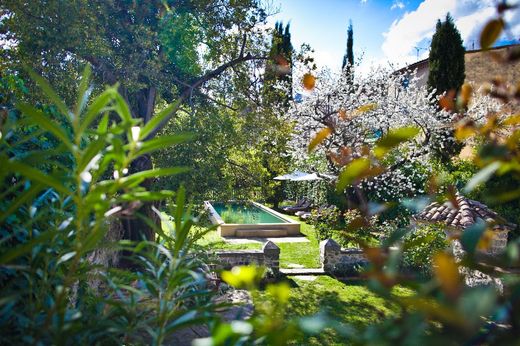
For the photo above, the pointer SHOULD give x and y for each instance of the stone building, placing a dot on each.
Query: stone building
(481, 67)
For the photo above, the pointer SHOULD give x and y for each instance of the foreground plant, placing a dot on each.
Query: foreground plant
(66, 187)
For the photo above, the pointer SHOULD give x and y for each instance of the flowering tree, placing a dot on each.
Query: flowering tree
(348, 120)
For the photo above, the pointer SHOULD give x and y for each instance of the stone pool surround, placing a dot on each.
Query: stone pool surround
(263, 230)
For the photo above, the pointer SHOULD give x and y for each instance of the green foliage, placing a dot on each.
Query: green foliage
(420, 245)
(325, 221)
(446, 60)
(59, 233)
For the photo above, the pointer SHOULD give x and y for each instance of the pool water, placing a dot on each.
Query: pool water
(244, 213)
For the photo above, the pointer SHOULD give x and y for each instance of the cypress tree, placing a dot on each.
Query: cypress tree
(278, 69)
(446, 61)
(348, 58)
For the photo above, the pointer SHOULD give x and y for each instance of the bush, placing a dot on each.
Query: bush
(325, 221)
(58, 225)
(420, 245)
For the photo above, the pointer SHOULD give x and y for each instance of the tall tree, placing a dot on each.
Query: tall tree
(278, 76)
(446, 61)
(151, 48)
(348, 58)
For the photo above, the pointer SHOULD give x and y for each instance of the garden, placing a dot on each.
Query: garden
(136, 138)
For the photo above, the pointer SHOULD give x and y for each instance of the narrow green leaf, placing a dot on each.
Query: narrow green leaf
(163, 142)
(96, 108)
(146, 196)
(351, 172)
(44, 122)
(66, 257)
(50, 93)
(25, 248)
(83, 90)
(21, 199)
(152, 173)
(94, 148)
(482, 176)
(37, 176)
(158, 118)
(122, 109)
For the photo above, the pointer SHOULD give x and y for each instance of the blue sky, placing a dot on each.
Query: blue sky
(385, 31)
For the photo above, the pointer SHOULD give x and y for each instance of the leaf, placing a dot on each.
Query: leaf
(355, 169)
(280, 291)
(83, 90)
(320, 137)
(138, 177)
(146, 196)
(25, 248)
(163, 142)
(393, 138)
(122, 108)
(471, 236)
(365, 108)
(482, 176)
(309, 81)
(66, 257)
(37, 176)
(21, 199)
(464, 131)
(46, 123)
(158, 118)
(491, 32)
(513, 120)
(50, 93)
(96, 108)
(242, 277)
(447, 273)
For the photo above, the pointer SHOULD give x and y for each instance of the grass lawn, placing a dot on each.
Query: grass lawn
(351, 303)
(305, 254)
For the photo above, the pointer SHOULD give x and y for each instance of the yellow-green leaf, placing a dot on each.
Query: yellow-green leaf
(352, 172)
(491, 32)
(393, 139)
(320, 137)
(447, 273)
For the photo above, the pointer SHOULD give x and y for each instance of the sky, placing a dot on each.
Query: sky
(386, 32)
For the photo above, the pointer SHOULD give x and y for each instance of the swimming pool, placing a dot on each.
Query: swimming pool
(249, 219)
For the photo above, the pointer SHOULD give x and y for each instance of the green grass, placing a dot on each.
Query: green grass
(350, 303)
(305, 254)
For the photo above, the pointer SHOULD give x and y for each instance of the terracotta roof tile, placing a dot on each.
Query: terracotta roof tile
(467, 214)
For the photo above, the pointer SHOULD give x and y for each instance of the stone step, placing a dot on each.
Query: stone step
(302, 271)
(261, 233)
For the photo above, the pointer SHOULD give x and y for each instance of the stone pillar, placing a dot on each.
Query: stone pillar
(271, 256)
(329, 253)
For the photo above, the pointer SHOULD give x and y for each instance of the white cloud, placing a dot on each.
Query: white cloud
(415, 28)
(397, 4)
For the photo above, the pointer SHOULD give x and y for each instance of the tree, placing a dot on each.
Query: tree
(152, 49)
(350, 119)
(348, 58)
(446, 60)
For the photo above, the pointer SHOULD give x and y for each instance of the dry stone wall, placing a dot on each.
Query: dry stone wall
(338, 261)
(269, 257)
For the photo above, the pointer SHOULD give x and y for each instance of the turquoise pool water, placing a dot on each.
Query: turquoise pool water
(244, 213)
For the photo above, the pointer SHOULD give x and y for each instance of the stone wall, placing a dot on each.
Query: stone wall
(269, 257)
(338, 261)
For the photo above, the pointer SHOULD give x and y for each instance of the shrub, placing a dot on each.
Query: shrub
(420, 245)
(325, 221)
(58, 215)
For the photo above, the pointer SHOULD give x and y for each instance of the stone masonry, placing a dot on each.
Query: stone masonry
(338, 261)
(269, 257)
